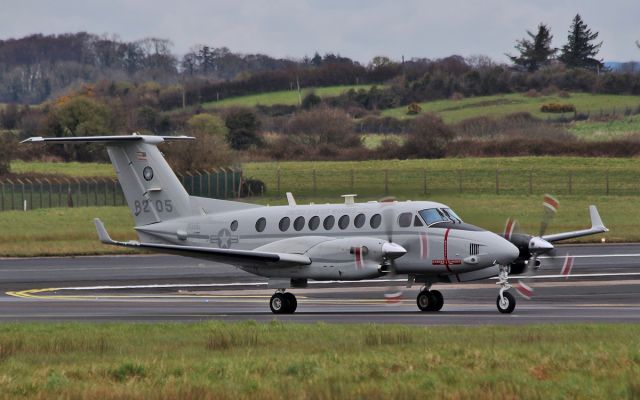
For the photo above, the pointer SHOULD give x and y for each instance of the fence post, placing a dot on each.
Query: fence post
(22, 199)
(13, 194)
(69, 194)
(424, 181)
(607, 182)
(115, 189)
(106, 191)
(353, 180)
(278, 181)
(314, 181)
(570, 182)
(386, 182)
(497, 182)
(41, 190)
(530, 182)
(226, 183)
(460, 180)
(2, 196)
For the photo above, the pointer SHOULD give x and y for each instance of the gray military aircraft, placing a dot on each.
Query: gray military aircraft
(292, 244)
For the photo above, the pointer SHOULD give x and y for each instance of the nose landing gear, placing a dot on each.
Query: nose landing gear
(283, 303)
(506, 302)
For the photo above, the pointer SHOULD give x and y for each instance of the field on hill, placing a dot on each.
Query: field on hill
(317, 361)
(605, 130)
(286, 97)
(453, 111)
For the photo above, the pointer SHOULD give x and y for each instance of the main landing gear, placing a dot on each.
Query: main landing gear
(506, 302)
(283, 302)
(430, 300)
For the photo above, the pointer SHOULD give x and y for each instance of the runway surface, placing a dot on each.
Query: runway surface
(170, 288)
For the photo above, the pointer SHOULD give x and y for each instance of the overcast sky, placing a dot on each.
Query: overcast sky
(359, 29)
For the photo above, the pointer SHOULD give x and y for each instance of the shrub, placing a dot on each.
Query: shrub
(413, 109)
(323, 126)
(532, 93)
(557, 108)
(243, 127)
(310, 100)
(428, 137)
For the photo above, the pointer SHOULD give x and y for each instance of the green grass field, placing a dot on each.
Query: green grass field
(275, 360)
(593, 130)
(71, 169)
(446, 176)
(453, 111)
(287, 97)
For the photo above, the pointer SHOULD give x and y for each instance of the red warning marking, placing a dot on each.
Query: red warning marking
(567, 266)
(358, 253)
(424, 245)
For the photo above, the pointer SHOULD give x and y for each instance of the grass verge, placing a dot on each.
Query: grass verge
(319, 361)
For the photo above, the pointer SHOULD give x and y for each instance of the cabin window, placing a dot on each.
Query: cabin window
(234, 226)
(284, 224)
(404, 220)
(314, 223)
(298, 224)
(261, 223)
(417, 221)
(329, 222)
(343, 222)
(376, 220)
(359, 220)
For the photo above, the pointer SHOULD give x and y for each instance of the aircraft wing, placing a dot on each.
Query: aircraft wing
(596, 227)
(234, 256)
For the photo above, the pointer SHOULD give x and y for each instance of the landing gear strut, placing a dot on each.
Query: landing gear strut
(283, 303)
(430, 300)
(506, 302)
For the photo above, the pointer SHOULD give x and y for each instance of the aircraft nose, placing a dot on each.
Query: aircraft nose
(504, 251)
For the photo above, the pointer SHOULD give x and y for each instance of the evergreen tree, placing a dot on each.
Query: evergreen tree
(536, 51)
(580, 51)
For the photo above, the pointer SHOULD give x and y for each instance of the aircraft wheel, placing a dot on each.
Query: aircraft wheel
(278, 303)
(439, 300)
(292, 302)
(507, 303)
(425, 300)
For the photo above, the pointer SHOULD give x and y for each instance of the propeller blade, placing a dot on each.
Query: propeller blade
(550, 208)
(509, 228)
(567, 266)
(525, 290)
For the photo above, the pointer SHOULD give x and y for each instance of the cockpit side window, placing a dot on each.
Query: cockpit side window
(432, 216)
(451, 215)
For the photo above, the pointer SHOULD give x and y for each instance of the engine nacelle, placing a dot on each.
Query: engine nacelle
(347, 259)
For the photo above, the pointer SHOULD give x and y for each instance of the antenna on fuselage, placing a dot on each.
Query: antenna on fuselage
(291, 200)
(349, 199)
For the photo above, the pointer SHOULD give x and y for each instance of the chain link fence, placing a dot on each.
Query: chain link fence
(416, 182)
(33, 193)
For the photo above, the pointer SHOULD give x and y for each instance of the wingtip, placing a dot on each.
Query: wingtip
(33, 139)
(103, 235)
(596, 220)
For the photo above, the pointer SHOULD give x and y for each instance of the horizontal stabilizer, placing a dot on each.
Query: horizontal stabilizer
(106, 139)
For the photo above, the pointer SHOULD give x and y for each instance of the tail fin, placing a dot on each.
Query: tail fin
(152, 190)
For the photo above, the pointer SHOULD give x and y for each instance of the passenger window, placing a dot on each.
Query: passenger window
(261, 223)
(359, 220)
(234, 226)
(343, 222)
(314, 223)
(298, 224)
(417, 221)
(404, 220)
(284, 224)
(329, 222)
(376, 219)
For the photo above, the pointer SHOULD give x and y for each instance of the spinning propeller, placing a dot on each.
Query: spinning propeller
(531, 247)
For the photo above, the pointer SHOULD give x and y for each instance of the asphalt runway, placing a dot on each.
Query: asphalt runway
(169, 288)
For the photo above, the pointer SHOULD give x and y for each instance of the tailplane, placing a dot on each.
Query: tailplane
(152, 190)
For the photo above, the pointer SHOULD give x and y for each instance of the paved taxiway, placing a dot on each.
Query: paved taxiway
(167, 288)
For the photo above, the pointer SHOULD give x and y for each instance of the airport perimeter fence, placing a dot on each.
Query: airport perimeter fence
(34, 193)
(408, 183)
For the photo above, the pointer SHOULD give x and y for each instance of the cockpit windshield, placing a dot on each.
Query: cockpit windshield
(437, 215)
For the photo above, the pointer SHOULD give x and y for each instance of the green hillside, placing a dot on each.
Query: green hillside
(453, 111)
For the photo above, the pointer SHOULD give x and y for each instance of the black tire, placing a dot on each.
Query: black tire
(279, 304)
(508, 305)
(438, 300)
(292, 302)
(424, 300)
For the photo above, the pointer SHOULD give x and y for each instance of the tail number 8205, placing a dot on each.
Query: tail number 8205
(145, 206)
